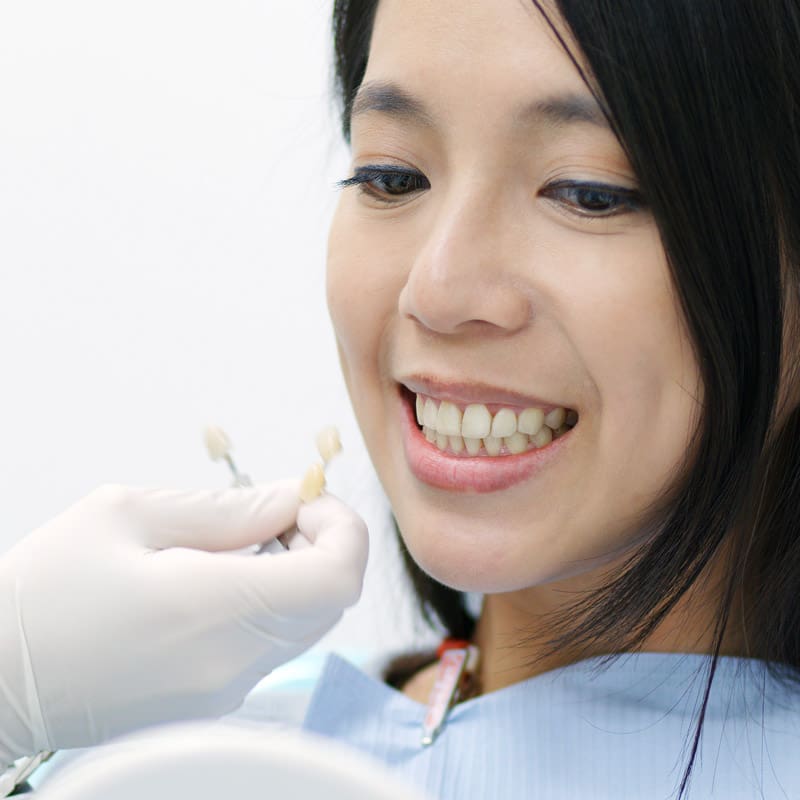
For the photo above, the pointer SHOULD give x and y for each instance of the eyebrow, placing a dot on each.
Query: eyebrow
(556, 110)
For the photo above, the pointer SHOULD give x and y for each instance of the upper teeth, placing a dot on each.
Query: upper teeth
(476, 421)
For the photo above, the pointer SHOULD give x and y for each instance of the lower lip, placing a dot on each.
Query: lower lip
(469, 474)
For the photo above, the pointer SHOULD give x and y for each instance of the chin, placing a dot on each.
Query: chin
(468, 565)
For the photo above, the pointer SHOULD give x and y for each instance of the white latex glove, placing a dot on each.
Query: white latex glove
(119, 613)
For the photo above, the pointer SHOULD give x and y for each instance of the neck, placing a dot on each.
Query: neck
(521, 616)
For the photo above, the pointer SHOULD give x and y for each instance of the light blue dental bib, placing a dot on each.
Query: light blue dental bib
(578, 734)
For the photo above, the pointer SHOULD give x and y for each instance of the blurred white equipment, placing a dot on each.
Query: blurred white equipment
(211, 761)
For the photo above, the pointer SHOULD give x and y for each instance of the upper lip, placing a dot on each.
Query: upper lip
(468, 392)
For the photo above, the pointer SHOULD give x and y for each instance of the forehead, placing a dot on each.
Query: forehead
(430, 60)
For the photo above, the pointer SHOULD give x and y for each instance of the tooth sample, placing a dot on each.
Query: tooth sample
(217, 443)
(572, 418)
(530, 421)
(473, 445)
(313, 483)
(516, 443)
(476, 422)
(457, 444)
(328, 443)
(555, 419)
(544, 437)
(420, 410)
(492, 445)
(448, 420)
(504, 423)
(430, 433)
(429, 414)
(441, 441)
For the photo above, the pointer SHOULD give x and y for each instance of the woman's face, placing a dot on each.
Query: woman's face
(501, 261)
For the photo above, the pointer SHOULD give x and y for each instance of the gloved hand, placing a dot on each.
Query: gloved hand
(121, 613)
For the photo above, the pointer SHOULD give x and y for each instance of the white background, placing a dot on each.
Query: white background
(166, 184)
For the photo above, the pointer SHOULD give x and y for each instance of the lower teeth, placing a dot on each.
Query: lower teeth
(491, 446)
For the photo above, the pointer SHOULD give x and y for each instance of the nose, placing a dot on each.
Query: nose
(466, 275)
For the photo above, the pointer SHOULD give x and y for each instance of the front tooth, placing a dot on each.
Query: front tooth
(457, 444)
(448, 420)
(476, 422)
(531, 421)
(429, 414)
(516, 443)
(555, 419)
(504, 423)
(473, 445)
(430, 433)
(544, 437)
(492, 445)
(420, 410)
(441, 441)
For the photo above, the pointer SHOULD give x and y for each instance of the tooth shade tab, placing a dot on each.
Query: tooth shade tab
(217, 442)
(328, 443)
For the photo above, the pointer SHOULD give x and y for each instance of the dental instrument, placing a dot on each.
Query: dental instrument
(328, 443)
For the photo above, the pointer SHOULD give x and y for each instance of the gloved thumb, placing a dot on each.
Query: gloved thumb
(212, 520)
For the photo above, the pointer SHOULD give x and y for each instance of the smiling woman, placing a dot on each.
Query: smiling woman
(576, 375)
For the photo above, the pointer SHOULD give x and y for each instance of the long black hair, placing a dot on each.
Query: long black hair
(704, 98)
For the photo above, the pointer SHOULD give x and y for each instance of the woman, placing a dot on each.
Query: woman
(579, 213)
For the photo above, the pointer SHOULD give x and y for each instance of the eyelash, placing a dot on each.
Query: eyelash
(630, 200)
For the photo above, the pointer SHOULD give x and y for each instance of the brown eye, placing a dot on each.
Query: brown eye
(594, 200)
(378, 182)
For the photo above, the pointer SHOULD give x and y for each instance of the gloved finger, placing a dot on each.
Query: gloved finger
(335, 528)
(215, 520)
(309, 581)
(294, 540)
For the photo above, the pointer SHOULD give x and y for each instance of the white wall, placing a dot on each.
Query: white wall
(166, 171)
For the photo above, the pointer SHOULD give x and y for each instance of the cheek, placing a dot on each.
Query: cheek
(345, 290)
(645, 376)
(361, 302)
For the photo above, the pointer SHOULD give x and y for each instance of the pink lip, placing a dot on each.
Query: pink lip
(478, 474)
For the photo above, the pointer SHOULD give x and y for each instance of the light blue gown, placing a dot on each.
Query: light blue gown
(577, 734)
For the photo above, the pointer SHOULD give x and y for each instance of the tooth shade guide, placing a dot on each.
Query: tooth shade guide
(217, 442)
(328, 443)
(313, 483)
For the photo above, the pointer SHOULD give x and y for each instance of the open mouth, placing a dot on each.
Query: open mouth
(488, 430)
